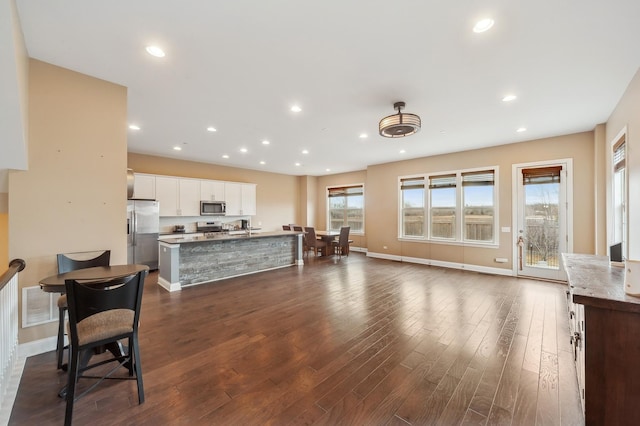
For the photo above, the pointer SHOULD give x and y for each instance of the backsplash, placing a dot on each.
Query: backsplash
(167, 224)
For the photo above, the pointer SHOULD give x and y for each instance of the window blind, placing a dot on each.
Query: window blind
(541, 175)
(442, 181)
(412, 183)
(481, 178)
(346, 191)
(619, 156)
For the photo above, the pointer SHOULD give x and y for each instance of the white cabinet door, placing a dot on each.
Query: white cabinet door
(248, 199)
(189, 197)
(167, 195)
(233, 195)
(212, 190)
(144, 186)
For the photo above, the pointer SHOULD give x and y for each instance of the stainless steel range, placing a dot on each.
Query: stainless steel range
(209, 227)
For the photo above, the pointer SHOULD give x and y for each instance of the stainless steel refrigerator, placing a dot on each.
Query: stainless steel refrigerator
(143, 226)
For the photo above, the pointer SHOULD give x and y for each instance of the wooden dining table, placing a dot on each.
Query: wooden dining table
(328, 237)
(56, 283)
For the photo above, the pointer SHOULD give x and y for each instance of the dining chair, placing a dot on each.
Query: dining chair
(341, 246)
(313, 242)
(68, 262)
(101, 313)
(286, 227)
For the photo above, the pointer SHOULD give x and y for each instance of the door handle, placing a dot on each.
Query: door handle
(520, 244)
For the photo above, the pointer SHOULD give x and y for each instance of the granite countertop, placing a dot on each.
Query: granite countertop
(223, 237)
(594, 282)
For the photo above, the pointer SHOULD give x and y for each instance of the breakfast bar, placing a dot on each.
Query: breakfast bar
(187, 261)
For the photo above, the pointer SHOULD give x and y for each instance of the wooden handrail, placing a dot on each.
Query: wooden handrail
(15, 266)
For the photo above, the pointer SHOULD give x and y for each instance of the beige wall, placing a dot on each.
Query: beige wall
(600, 189)
(73, 196)
(4, 232)
(382, 197)
(627, 115)
(276, 194)
(324, 182)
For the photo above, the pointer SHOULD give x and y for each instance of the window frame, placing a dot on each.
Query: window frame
(328, 206)
(620, 219)
(459, 232)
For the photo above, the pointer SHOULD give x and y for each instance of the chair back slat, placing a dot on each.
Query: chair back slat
(67, 263)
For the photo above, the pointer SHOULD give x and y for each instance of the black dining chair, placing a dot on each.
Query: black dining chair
(286, 227)
(101, 313)
(341, 246)
(68, 262)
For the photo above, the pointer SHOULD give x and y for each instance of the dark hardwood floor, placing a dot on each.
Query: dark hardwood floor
(353, 341)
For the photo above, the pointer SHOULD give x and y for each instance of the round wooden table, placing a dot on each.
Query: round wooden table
(55, 283)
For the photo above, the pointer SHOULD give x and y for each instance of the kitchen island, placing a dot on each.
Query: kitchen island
(186, 261)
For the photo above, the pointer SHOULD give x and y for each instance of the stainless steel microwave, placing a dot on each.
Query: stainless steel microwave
(213, 208)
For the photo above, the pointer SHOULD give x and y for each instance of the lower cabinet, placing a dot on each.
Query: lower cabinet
(605, 334)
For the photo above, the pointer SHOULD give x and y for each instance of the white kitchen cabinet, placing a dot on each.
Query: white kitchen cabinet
(144, 186)
(178, 196)
(212, 190)
(248, 199)
(167, 195)
(240, 198)
(189, 197)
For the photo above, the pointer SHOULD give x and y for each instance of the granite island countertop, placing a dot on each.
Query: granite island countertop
(185, 239)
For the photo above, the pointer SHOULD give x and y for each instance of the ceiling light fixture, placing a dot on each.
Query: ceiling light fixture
(296, 108)
(509, 98)
(134, 127)
(483, 25)
(177, 148)
(263, 163)
(521, 129)
(225, 156)
(155, 51)
(243, 149)
(265, 142)
(363, 135)
(211, 129)
(399, 125)
(304, 151)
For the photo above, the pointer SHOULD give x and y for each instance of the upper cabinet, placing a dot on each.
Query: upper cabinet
(212, 190)
(167, 195)
(181, 196)
(144, 186)
(240, 198)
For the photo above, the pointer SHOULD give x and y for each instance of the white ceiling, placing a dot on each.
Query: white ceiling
(240, 65)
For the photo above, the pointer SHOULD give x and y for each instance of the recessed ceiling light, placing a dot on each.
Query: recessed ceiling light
(509, 98)
(483, 25)
(363, 136)
(243, 149)
(155, 51)
(225, 156)
(298, 164)
(296, 108)
(521, 129)
(177, 148)
(304, 151)
(211, 129)
(328, 170)
(265, 142)
(262, 162)
(402, 151)
(134, 127)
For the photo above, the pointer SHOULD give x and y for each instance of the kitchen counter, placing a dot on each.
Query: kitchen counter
(186, 260)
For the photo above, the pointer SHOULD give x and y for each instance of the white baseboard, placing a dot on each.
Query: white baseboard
(37, 347)
(168, 286)
(443, 264)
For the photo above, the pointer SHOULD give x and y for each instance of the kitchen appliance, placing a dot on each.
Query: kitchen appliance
(143, 226)
(213, 208)
(245, 224)
(178, 228)
(209, 226)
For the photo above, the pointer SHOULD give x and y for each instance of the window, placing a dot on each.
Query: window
(442, 192)
(346, 208)
(619, 195)
(478, 203)
(458, 207)
(412, 190)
